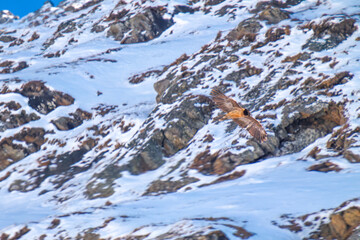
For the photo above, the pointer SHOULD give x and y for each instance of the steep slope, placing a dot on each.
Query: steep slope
(108, 130)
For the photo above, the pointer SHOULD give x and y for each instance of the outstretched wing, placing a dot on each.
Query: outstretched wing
(253, 127)
(223, 102)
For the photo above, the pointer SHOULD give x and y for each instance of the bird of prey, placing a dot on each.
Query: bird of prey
(238, 114)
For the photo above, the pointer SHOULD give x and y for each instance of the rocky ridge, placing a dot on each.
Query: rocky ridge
(303, 92)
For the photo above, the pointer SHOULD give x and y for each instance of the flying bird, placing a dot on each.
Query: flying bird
(238, 114)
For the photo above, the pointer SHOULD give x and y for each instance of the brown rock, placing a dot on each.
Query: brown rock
(204, 162)
(160, 187)
(325, 167)
(11, 152)
(352, 217)
(328, 34)
(33, 37)
(7, 63)
(7, 38)
(339, 78)
(351, 157)
(138, 78)
(54, 223)
(246, 31)
(273, 15)
(76, 119)
(42, 99)
(338, 226)
(214, 235)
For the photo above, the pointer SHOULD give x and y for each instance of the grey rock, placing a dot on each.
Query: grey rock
(246, 31)
(42, 99)
(141, 27)
(273, 15)
(328, 35)
(7, 38)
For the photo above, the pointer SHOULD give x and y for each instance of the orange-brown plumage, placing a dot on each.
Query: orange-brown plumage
(238, 114)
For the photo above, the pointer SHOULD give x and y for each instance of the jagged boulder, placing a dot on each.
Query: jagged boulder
(76, 119)
(140, 28)
(304, 121)
(42, 99)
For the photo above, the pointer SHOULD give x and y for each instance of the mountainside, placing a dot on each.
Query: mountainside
(108, 129)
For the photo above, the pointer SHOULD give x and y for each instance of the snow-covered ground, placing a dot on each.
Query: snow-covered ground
(277, 186)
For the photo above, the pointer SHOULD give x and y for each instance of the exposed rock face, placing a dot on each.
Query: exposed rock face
(60, 165)
(141, 27)
(215, 235)
(303, 124)
(7, 38)
(9, 120)
(262, 5)
(168, 186)
(328, 35)
(11, 66)
(42, 99)
(13, 149)
(340, 223)
(246, 31)
(325, 167)
(273, 15)
(298, 90)
(6, 16)
(76, 119)
(86, 4)
(176, 135)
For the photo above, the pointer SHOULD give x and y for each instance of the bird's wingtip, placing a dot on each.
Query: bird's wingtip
(215, 91)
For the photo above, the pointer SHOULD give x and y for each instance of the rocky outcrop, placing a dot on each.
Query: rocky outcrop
(61, 165)
(141, 27)
(76, 119)
(168, 186)
(339, 223)
(9, 120)
(269, 63)
(42, 99)
(246, 31)
(76, 7)
(6, 16)
(11, 66)
(273, 15)
(328, 34)
(174, 137)
(7, 38)
(218, 235)
(24, 143)
(304, 122)
(138, 78)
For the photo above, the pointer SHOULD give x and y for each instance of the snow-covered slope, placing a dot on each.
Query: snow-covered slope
(107, 125)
